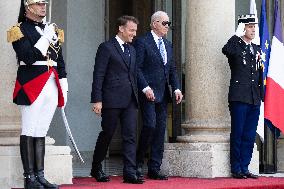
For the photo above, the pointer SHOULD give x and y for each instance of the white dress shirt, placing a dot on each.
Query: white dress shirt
(120, 42)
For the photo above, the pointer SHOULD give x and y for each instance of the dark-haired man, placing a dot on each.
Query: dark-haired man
(245, 94)
(114, 94)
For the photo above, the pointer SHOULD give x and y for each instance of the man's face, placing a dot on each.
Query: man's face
(38, 8)
(161, 26)
(128, 32)
(250, 31)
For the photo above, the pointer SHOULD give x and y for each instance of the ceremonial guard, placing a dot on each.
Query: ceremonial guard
(245, 94)
(40, 87)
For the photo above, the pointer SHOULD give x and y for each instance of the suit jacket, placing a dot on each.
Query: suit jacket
(151, 70)
(114, 81)
(246, 84)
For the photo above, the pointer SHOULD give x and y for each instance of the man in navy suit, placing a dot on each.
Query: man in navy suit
(157, 78)
(114, 94)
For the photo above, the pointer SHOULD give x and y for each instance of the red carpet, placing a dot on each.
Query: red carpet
(181, 183)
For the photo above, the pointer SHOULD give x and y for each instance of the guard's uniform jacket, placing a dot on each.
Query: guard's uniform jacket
(32, 78)
(246, 84)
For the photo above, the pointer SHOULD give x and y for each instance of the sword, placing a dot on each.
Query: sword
(70, 135)
(49, 11)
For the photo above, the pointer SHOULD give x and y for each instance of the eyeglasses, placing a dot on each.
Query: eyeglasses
(164, 23)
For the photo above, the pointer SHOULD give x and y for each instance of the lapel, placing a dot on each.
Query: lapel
(245, 50)
(153, 46)
(169, 51)
(255, 49)
(132, 57)
(118, 48)
(242, 44)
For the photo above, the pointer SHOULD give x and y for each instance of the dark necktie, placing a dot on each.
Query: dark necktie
(126, 52)
(251, 49)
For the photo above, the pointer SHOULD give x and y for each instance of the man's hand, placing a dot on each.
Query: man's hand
(150, 95)
(97, 108)
(240, 30)
(49, 33)
(179, 97)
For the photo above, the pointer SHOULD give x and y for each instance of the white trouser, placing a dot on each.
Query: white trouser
(36, 118)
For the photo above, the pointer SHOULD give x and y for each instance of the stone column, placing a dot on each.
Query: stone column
(203, 150)
(58, 158)
(9, 115)
(209, 26)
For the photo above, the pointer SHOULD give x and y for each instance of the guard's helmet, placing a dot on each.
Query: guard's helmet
(25, 3)
(248, 19)
(30, 2)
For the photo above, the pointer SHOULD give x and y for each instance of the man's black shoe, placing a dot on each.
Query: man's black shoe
(139, 173)
(157, 176)
(239, 175)
(132, 180)
(250, 175)
(100, 176)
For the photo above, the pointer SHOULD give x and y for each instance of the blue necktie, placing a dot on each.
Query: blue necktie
(162, 50)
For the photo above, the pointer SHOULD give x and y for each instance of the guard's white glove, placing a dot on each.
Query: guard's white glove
(240, 30)
(64, 86)
(48, 32)
(48, 36)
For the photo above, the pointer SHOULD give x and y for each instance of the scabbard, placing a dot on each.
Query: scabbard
(70, 135)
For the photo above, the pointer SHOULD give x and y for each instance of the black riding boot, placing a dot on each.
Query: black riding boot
(27, 156)
(39, 166)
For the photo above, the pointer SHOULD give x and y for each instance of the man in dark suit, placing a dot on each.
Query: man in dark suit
(157, 77)
(245, 94)
(114, 94)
